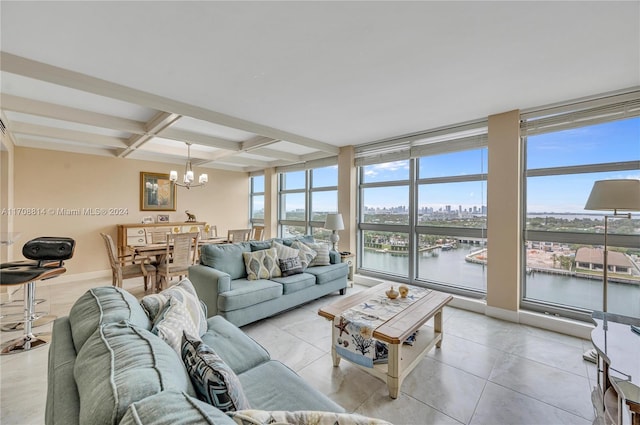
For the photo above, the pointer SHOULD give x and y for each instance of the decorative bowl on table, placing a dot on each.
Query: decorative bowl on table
(392, 293)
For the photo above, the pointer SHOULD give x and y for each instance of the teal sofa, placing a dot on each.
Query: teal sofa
(221, 282)
(106, 367)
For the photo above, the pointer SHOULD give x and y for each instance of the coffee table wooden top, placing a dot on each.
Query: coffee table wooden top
(398, 328)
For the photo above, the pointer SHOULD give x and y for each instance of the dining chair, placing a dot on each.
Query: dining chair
(238, 235)
(156, 235)
(182, 250)
(210, 231)
(128, 266)
(257, 233)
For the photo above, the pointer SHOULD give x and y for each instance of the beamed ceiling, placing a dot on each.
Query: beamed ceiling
(262, 84)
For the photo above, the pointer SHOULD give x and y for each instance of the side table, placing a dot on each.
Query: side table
(618, 349)
(349, 258)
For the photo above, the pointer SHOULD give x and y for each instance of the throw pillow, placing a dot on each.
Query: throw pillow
(183, 291)
(262, 264)
(284, 251)
(307, 255)
(172, 322)
(290, 266)
(322, 259)
(213, 381)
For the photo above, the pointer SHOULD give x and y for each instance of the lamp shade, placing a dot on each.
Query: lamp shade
(334, 222)
(617, 194)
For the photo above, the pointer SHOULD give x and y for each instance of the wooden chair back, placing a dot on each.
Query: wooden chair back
(156, 235)
(182, 252)
(210, 231)
(127, 266)
(257, 233)
(238, 235)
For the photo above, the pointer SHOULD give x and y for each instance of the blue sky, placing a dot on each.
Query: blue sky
(603, 143)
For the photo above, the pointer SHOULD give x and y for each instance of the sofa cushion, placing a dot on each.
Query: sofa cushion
(262, 264)
(287, 392)
(259, 245)
(296, 282)
(235, 347)
(325, 274)
(172, 322)
(213, 381)
(290, 241)
(175, 408)
(307, 255)
(322, 259)
(245, 293)
(184, 292)
(106, 304)
(226, 257)
(120, 364)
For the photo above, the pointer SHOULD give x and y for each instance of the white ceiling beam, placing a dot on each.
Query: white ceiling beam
(159, 122)
(63, 147)
(64, 77)
(64, 134)
(244, 161)
(272, 153)
(65, 113)
(199, 139)
(257, 142)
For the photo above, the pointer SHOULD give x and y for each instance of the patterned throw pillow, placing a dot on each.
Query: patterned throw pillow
(322, 259)
(183, 291)
(212, 379)
(284, 251)
(262, 264)
(290, 266)
(307, 255)
(172, 322)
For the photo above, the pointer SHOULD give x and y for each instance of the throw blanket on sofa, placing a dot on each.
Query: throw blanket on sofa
(354, 337)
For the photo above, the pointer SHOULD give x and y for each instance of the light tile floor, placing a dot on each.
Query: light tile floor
(488, 371)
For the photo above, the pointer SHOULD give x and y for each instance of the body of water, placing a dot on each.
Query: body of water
(451, 268)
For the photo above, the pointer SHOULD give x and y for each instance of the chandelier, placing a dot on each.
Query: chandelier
(187, 179)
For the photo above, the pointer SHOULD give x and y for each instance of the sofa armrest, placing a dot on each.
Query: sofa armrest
(208, 283)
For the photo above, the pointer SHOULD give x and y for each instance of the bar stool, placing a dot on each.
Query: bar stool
(14, 322)
(49, 254)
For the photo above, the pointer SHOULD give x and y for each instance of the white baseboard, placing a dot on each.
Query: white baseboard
(470, 304)
(557, 324)
(365, 280)
(503, 314)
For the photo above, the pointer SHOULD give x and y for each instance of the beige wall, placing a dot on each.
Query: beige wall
(503, 218)
(53, 180)
(6, 195)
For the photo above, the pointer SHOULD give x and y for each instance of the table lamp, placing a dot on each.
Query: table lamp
(334, 222)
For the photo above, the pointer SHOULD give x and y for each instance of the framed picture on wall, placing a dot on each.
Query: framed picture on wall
(157, 193)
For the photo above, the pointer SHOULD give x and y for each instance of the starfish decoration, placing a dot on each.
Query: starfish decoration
(343, 326)
(368, 306)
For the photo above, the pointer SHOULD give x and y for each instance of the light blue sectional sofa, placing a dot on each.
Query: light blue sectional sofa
(221, 282)
(107, 367)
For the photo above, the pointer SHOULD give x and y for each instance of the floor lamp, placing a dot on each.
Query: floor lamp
(611, 195)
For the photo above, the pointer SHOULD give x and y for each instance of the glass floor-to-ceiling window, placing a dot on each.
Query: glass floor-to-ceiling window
(565, 153)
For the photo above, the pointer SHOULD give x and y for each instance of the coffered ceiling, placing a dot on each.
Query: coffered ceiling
(262, 84)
